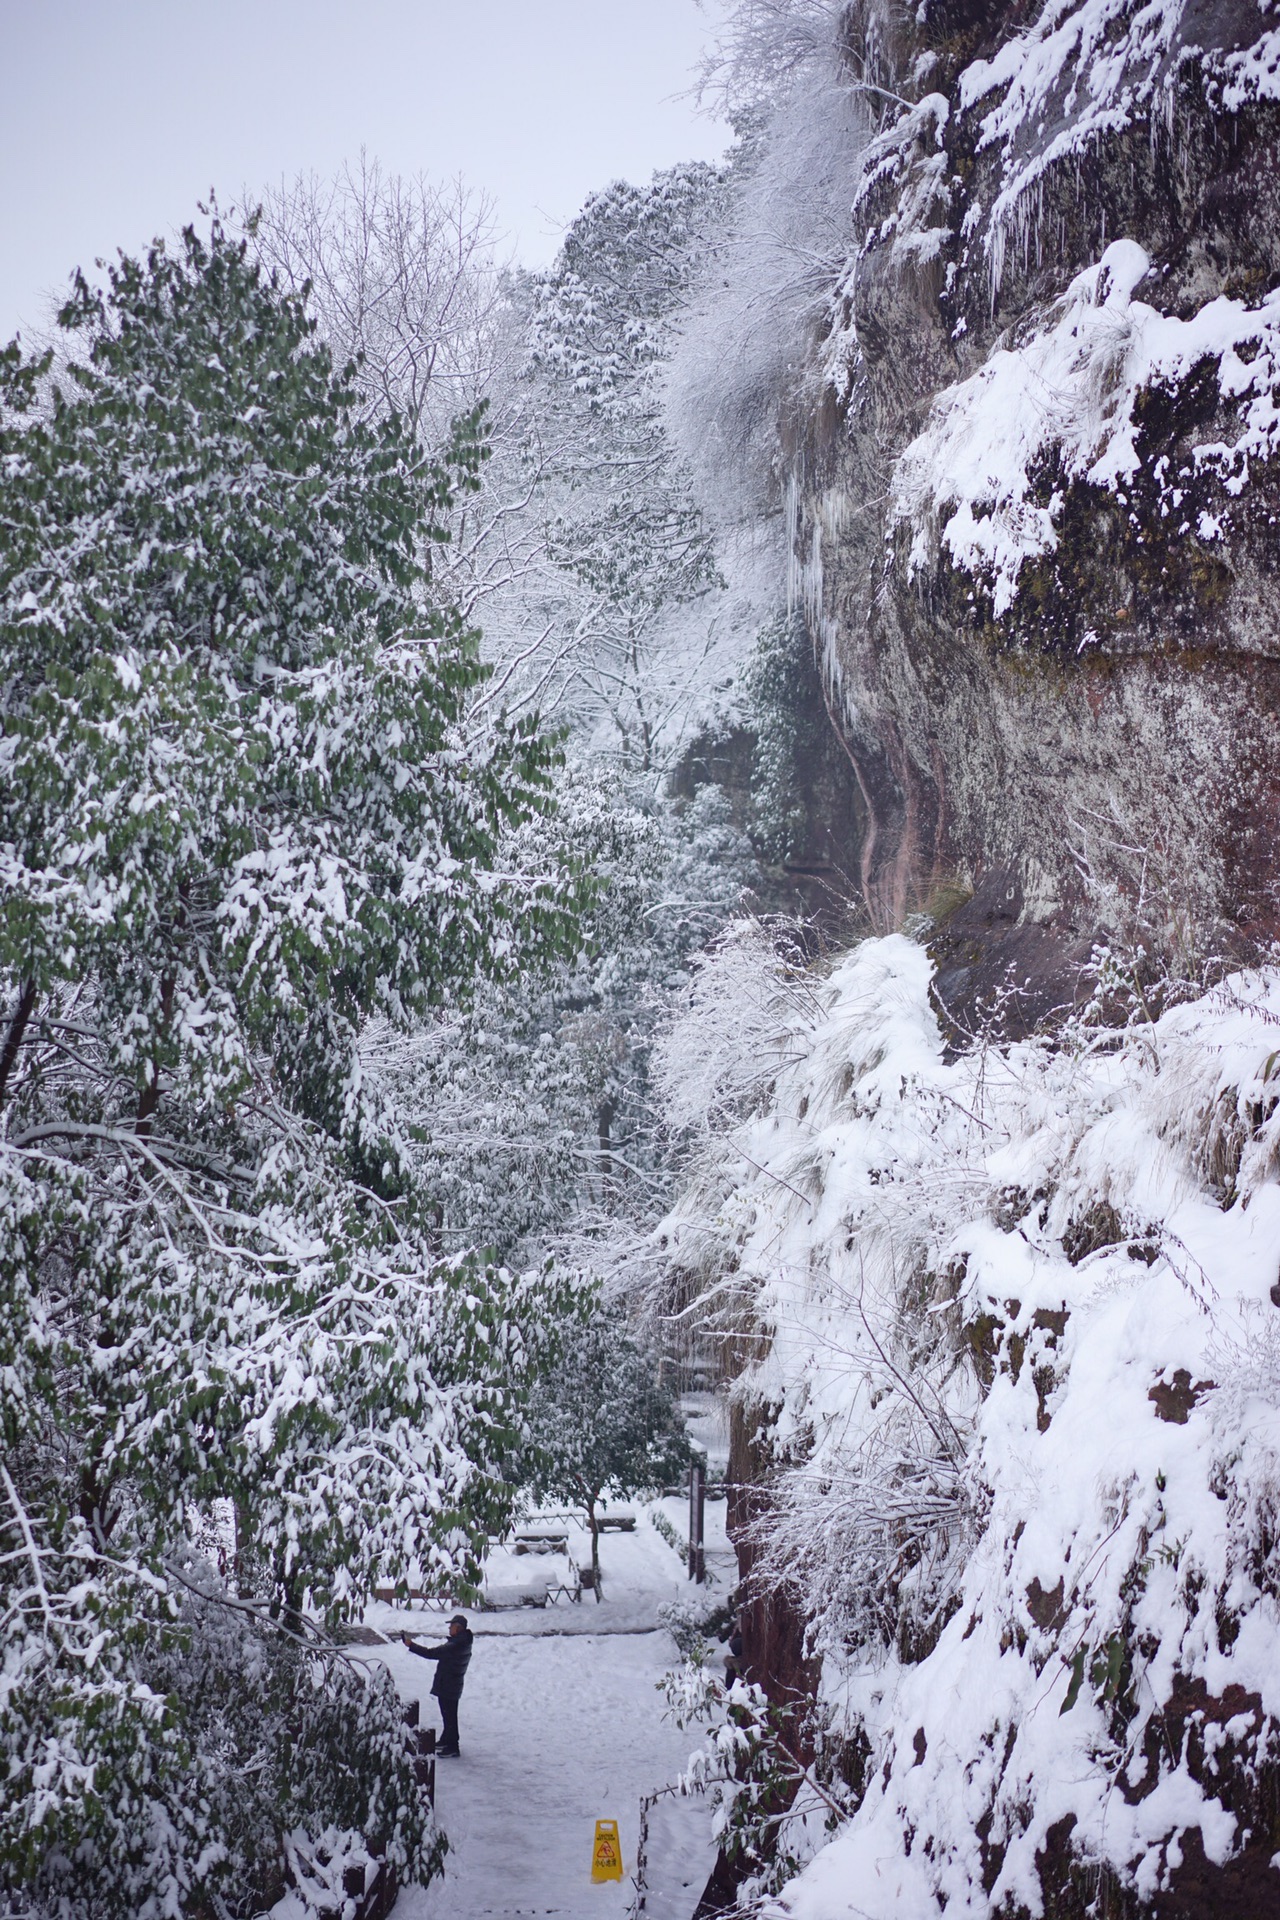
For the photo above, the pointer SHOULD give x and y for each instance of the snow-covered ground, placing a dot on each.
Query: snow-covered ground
(562, 1723)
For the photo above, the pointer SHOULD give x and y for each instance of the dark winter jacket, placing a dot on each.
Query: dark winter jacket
(452, 1657)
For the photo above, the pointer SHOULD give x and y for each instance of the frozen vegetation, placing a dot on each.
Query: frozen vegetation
(1020, 1393)
(696, 828)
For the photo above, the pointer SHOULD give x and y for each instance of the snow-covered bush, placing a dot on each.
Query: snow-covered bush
(719, 1054)
(692, 1620)
(771, 1773)
(1013, 1365)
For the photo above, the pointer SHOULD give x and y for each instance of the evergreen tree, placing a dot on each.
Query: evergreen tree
(604, 1421)
(237, 820)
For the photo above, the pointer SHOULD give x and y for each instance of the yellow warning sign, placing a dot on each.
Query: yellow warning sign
(606, 1858)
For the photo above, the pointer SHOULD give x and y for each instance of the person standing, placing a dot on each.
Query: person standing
(452, 1658)
(734, 1656)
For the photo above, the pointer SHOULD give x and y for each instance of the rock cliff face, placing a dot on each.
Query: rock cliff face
(1036, 535)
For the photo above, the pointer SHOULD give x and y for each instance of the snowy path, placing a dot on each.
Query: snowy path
(562, 1724)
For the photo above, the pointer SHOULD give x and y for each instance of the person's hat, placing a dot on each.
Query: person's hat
(458, 1620)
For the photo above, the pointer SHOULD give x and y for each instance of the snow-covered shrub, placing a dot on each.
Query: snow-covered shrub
(229, 1729)
(694, 1621)
(719, 1054)
(666, 1531)
(776, 1780)
(1015, 1371)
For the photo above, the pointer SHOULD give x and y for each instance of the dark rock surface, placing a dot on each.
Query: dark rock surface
(1128, 697)
(1097, 752)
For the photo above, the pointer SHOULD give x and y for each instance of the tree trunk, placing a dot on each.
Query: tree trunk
(595, 1548)
(95, 1506)
(149, 1098)
(13, 1039)
(286, 1601)
(242, 1553)
(604, 1125)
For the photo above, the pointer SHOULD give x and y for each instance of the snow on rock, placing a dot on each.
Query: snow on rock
(1081, 74)
(969, 479)
(1021, 1381)
(1077, 78)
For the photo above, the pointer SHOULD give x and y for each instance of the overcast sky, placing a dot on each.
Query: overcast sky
(116, 116)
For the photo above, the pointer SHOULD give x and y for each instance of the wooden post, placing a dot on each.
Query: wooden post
(424, 1759)
(697, 1523)
(642, 1858)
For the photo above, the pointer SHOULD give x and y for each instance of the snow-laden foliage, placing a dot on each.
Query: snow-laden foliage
(1015, 1370)
(740, 364)
(604, 1420)
(534, 1129)
(768, 1796)
(590, 562)
(719, 1054)
(238, 817)
(198, 1751)
(628, 530)
(582, 548)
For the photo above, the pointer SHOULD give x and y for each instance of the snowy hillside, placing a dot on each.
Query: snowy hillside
(1018, 1380)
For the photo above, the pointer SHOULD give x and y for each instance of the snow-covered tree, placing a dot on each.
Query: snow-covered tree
(604, 1421)
(404, 280)
(584, 546)
(239, 817)
(587, 557)
(628, 532)
(532, 1127)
